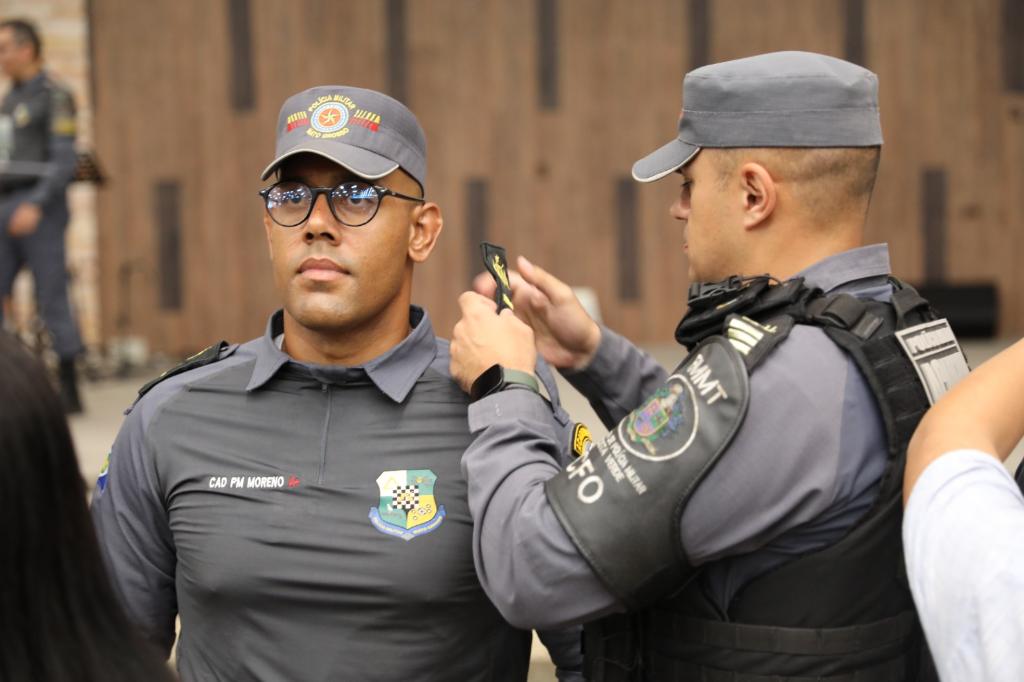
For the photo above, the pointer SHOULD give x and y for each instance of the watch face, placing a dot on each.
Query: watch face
(487, 383)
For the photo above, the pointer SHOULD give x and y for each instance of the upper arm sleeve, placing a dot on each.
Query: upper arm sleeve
(962, 533)
(135, 537)
(61, 154)
(526, 562)
(618, 378)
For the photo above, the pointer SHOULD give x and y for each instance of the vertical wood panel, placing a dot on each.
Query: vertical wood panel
(167, 216)
(547, 53)
(1013, 45)
(933, 223)
(699, 31)
(853, 38)
(628, 247)
(396, 52)
(476, 222)
(243, 94)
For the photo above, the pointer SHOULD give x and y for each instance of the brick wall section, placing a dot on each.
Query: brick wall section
(64, 28)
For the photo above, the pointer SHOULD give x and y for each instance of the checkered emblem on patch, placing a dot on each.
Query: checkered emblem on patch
(407, 506)
(405, 497)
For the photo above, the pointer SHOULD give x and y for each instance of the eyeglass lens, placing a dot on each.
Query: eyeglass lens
(353, 203)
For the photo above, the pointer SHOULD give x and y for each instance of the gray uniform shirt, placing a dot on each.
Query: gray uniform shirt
(801, 471)
(307, 522)
(37, 124)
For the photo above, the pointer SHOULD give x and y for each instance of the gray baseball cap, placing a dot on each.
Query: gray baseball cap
(781, 99)
(365, 131)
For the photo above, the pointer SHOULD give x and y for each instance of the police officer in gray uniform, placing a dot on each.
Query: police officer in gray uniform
(37, 161)
(740, 521)
(297, 500)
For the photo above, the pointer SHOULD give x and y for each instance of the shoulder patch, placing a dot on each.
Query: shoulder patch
(101, 482)
(207, 356)
(62, 112)
(581, 440)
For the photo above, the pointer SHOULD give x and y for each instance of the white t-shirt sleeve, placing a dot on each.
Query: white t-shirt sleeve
(963, 532)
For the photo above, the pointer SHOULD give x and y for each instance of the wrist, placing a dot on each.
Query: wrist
(590, 346)
(497, 378)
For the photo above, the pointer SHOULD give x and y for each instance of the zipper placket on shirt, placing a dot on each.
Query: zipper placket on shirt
(323, 439)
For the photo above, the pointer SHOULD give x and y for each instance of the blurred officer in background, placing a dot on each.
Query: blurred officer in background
(37, 161)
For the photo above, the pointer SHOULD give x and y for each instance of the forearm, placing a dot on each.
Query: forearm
(983, 412)
(526, 562)
(618, 378)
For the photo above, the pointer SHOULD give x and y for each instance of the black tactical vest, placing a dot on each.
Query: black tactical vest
(842, 613)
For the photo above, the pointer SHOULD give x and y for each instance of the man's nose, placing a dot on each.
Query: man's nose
(321, 221)
(678, 211)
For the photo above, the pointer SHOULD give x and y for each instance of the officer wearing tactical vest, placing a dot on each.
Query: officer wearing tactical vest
(741, 519)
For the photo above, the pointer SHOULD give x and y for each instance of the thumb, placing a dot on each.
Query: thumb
(484, 284)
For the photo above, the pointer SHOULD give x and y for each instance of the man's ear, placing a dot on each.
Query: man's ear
(760, 194)
(424, 229)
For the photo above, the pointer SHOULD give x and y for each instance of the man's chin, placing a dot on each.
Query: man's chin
(321, 317)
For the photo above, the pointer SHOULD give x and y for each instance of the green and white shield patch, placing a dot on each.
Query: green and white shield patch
(407, 507)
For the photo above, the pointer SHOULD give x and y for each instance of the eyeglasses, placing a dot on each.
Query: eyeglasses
(289, 203)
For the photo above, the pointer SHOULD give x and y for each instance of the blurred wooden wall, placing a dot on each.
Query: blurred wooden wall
(535, 111)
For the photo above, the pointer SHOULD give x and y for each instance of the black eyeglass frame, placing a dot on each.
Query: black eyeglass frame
(380, 190)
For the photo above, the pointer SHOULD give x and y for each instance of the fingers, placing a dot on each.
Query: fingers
(472, 303)
(552, 287)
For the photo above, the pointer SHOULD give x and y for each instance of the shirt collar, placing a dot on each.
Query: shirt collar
(31, 82)
(838, 270)
(394, 373)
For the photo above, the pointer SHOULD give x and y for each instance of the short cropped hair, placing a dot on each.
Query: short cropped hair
(824, 179)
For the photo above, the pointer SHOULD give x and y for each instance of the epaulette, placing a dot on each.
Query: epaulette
(207, 356)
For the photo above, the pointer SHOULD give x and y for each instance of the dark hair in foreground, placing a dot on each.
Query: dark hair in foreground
(59, 616)
(24, 32)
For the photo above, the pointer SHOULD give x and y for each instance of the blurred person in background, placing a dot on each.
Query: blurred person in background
(59, 616)
(37, 161)
(963, 527)
(297, 500)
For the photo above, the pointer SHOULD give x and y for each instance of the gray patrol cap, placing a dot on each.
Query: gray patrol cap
(781, 99)
(365, 131)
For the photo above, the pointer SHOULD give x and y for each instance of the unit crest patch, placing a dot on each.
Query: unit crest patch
(664, 426)
(407, 507)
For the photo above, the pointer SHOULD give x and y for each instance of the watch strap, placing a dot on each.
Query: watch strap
(497, 378)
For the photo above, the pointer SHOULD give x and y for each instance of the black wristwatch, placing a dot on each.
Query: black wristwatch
(497, 378)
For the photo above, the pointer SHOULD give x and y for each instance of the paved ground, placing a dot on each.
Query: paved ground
(106, 401)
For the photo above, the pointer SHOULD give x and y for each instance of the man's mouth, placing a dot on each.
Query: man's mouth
(321, 269)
